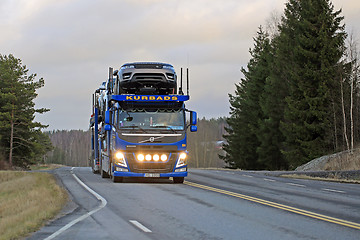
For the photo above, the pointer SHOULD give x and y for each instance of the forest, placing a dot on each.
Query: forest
(299, 97)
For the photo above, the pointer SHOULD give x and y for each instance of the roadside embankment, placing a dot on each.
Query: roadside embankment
(27, 201)
(342, 161)
(340, 167)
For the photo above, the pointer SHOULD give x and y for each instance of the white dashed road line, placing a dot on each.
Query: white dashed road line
(247, 176)
(332, 190)
(269, 180)
(296, 185)
(139, 225)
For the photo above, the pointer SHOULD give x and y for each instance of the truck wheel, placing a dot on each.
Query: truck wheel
(104, 174)
(93, 169)
(178, 179)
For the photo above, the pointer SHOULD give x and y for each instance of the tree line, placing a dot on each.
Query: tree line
(299, 97)
(72, 148)
(22, 141)
(205, 145)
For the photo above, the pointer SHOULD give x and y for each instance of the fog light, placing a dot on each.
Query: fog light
(180, 170)
(163, 157)
(156, 157)
(140, 157)
(121, 169)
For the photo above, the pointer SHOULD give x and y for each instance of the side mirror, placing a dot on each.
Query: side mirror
(193, 118)
(192, 128)
(107, 117)
(107, 127)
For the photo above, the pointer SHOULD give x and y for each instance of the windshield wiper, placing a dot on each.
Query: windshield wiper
(167, 127)
(133, 127)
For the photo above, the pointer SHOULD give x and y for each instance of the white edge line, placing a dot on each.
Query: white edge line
(72, 223)
(139, 225)
(247, 176)
(332, 190)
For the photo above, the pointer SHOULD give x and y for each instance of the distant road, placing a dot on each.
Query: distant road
(211, 204)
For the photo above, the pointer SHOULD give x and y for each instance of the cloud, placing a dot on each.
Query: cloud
(71, 44)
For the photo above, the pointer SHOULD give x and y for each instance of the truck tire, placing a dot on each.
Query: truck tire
(92, 162)
(103, 173)
(178, 179)
(93, 168)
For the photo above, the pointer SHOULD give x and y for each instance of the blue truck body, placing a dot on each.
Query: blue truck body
(140, 135)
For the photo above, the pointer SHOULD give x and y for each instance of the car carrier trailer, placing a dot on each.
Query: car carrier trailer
(139, 126)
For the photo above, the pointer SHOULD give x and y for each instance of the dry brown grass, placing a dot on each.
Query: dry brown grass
(45, 166)
(27, 201)
(343, 162)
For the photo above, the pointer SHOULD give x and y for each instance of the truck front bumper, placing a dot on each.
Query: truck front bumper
(156, 175)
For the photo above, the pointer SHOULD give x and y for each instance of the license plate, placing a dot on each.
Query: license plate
(152, 174)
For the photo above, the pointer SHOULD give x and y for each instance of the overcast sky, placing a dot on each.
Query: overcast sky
(72, 43)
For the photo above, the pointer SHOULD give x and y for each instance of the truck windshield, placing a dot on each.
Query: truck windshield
(170, 120)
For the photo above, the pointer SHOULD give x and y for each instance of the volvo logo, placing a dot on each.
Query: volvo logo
(151, 139)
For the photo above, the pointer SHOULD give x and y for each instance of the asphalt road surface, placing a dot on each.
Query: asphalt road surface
(211, 204)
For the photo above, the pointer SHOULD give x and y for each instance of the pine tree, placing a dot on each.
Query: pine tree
(246, 113)
(276, 90)
(21, 138)
(272, 104)
(317, 47)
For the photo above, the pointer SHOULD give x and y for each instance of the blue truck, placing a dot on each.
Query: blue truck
(139, 124)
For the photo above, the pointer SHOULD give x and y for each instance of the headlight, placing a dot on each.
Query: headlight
(182, 156)
(148, 157)
(127, 67)
(182, 160)
(119, 159)
(119, 156)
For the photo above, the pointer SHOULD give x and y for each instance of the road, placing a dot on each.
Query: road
(211, 204)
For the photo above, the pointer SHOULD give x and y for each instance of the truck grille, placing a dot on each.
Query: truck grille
(148, 77)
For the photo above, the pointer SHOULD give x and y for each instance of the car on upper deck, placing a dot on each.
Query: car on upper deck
(146, 78)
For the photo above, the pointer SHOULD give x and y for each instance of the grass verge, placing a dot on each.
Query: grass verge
(27, 201)
(45, 166)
